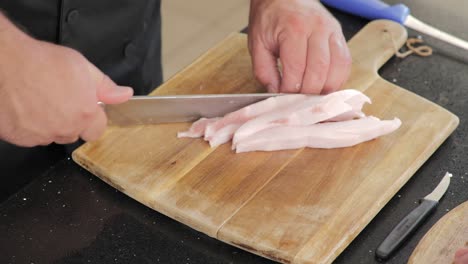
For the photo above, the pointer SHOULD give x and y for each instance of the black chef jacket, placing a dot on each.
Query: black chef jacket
(121, 37)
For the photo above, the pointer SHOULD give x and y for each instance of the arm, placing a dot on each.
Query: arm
(308, 41)
(49, 93)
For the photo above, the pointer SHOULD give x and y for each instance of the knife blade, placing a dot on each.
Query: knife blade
(412, 221)
(142, 110)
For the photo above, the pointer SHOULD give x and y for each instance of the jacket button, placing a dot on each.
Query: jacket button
(130, 50)
(72, 16)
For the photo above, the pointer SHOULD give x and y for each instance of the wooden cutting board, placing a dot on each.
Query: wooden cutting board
(448, 235)
(299, 206)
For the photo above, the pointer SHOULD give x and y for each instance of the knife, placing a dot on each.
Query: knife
(412, 221)
(141, 110)
(375, 9)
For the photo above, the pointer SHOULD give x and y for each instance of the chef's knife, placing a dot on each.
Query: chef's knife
(412, 221)
(376, 9)
(141, 110)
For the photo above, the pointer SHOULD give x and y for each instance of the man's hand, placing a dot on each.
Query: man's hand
(308, 41)
(50, 93)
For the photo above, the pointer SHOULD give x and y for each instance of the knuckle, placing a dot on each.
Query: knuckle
(261, 74)
(299, 24)
(343, 59)
(320, 64)
(317, 75)
(293, 76)
(336, 25)
(340, 51)
(88, 111)
(293, 79)
(347, 60)
(293, 25)
(318, 79)
(296, 66)
(320, 21)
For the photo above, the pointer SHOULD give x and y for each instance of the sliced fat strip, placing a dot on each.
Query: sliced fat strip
(347, 116)
(354, 98)
(323, 135)
(198, 128)
(244, 114)
(223, 135)
(307, 113)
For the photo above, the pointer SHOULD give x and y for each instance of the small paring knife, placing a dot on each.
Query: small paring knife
(412, 221)
(144, 110)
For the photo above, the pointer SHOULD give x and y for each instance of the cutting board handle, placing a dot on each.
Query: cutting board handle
(376, 43)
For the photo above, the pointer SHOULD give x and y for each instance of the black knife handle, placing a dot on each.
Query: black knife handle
(405, 228)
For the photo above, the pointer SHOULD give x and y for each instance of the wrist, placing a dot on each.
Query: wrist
(13, 42)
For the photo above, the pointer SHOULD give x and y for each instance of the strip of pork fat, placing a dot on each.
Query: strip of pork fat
(244, 114)
(198, 128)
(324, 135)
(222, 131)
(354, 98)
(338, 106)
(313, 114)
(224, 134)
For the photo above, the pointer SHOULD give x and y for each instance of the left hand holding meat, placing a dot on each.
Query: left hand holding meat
(308, 41)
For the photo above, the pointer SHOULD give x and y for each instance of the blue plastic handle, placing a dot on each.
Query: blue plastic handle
(371, 9)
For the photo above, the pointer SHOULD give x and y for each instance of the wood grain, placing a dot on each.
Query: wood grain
(444, 238)
(299, 206)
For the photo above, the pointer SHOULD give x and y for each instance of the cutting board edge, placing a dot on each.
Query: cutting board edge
(419, 161)
(79, 156)
(95, 169)
(413, 259)
(387, 31)
(181, 72)
(179, 217)
(454, 118)
(266, 253)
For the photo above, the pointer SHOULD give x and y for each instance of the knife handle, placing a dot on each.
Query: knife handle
(405, 228)
(371, 9)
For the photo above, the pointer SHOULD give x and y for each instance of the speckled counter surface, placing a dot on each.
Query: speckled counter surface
(67, 215)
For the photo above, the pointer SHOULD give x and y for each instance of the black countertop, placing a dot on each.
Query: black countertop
(57, 212)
